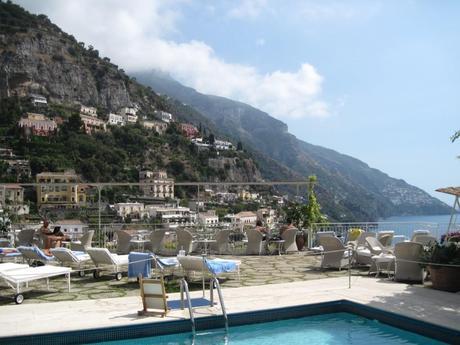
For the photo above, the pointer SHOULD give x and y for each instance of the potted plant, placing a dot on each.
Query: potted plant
(443, 262)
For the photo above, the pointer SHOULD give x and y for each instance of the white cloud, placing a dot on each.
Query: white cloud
(135, 36)
(247, 9)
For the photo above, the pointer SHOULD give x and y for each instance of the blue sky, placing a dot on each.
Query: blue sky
(377, 80)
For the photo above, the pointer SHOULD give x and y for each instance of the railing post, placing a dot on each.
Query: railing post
(349, 267)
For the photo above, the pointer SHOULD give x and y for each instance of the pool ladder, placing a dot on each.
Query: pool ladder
(214, 282)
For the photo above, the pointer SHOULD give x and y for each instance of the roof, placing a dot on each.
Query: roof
(246, 214)
(69, 221)
(449, 190)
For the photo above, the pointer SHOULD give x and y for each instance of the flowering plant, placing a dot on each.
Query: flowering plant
(451, 237)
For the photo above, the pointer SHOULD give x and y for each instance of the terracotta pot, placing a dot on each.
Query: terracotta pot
(445, 278)
(300, 240)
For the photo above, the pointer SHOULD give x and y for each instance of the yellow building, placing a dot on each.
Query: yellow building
(61, 196)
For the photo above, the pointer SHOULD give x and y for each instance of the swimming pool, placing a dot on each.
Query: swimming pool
(333, 329)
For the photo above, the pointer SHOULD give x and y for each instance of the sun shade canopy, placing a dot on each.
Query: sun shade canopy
(450, 190)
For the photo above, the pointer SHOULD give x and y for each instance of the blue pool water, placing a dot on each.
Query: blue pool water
(331, 329)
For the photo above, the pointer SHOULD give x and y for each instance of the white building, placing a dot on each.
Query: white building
(223, 145)
(209, 218)
(116, 120)
(164, 116)
(90, 111)
(156, 184)
(199, 143)
(246, 218)
(129, 114)
(73, 228)
(196, 205)
(38, 99)
(173, 215)
(132, 209)
(266, 216)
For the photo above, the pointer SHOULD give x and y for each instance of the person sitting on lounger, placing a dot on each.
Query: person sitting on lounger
(51, 239)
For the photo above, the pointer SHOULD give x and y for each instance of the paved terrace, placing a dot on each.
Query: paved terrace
(255, 270)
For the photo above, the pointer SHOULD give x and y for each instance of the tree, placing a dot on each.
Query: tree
(313, 208)
(211, 139)
(239, 146)
(73, 124)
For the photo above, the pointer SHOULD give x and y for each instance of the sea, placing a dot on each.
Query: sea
(405, 225)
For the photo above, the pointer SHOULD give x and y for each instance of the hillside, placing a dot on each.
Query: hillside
(348, 188)
(37, 57)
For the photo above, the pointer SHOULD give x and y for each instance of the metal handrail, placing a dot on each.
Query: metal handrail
(184, 286)
(215, 282)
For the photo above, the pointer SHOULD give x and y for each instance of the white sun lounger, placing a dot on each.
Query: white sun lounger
(11, 266)
(102, 258)
(71, 258)
(15, 277)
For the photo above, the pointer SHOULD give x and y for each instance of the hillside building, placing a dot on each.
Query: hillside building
(90, 111)
(92, 124)
(37, 124)
(209, 218)
(157, 126)
(131, 209)
(37, 100)
(60, 196)
(116, 120)
(156, 184)
(246, 218)
(73, 228)
(223, 145)
(164, 116)
(172, 215)
(129, 114)
(11, 194)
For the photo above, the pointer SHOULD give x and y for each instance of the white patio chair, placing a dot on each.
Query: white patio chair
(290, 245)
(426, 240)
(84, 243)
(335, 253)
(185, 241)
(405, 270)
(222, 244)
(256, 244)
(421, 232)
(71, 259)
(102, 258)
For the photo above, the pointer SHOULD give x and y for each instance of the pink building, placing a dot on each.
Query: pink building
(37, 124)
(190, 131)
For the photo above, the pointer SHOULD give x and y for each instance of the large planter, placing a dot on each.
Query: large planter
(445, 278)
(300, 240)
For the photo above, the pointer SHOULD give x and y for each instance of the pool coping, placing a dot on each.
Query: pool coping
(150, 329)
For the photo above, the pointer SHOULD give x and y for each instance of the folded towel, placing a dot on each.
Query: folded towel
(221, 266)
(166, 262)
(139, 264)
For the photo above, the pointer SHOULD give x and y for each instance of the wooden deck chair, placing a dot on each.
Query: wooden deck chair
(154, 299)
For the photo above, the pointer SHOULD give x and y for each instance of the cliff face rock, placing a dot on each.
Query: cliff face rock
(236, 169)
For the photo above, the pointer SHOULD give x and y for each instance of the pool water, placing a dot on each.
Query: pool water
(333, 329)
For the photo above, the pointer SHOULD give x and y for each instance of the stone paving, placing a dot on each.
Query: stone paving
(255, 270)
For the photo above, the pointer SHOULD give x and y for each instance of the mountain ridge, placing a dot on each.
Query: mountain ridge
(344, 183)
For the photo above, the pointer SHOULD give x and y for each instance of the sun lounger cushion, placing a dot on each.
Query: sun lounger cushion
(34, 253)
(9, 252)
(221, 266)
(139, 264)
(66, 255)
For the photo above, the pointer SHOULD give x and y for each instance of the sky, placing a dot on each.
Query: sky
(377, 80)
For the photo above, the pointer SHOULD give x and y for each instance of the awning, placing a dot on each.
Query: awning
(450, 190)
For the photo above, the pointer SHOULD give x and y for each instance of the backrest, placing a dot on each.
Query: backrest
(25, 237)
(64, 255)
(408, 251)
(123, 241)
(289, 235)
(254, 235)
(33, 253)
(426, 240)
(330, 243)
(192, 263)
(156, 239)
(87, 238)
(222, 236)
(184, 236)
(153, 294)
(419, 232)
(101, 256)
(386, 240)
(374, 245)
(361, 241)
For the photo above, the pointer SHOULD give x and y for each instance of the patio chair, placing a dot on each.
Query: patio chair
(123, 242)
(25, 237)
(323, 234)
(361, 240)
(102, 258)
(185, 241)
(421, 232)
(156, 240)
(71, 258)
(426, 240)
(154, 299)
(215, 267)
(34, 254)
(335, 253)
(353, 234)
(84, 243)
(222, 244)
(408, 271)
(256, 244)
(290, 245)
(15, 278)
(385, 237)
